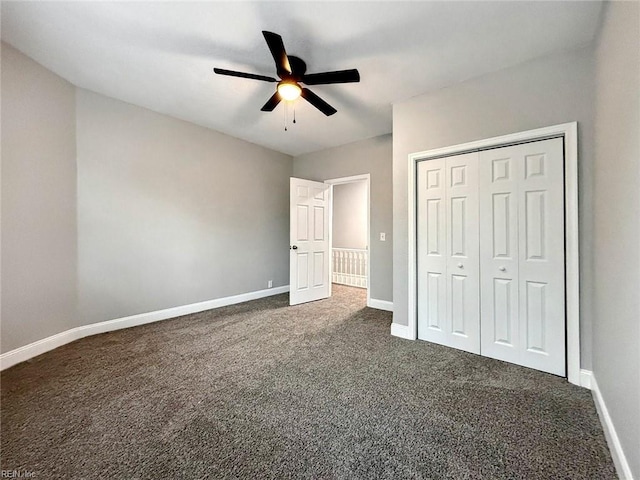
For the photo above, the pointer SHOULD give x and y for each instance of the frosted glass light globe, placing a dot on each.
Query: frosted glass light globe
(289, 90)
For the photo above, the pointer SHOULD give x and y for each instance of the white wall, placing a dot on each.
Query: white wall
(548, 91)
(616, 339)
(170, 213)
(371, 156)
(350, 215)
(39, 252)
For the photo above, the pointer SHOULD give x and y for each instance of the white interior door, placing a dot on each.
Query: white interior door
(309, 249)
(448, 248)
(522, 255)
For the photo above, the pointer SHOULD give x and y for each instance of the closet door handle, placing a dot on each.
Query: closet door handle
(460, 265)
(502, 269)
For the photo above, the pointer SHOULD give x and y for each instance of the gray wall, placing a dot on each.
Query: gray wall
(371, 156)
(548, 91)
(170, 213)
(616, 356)
(350, 215)
(39, 253)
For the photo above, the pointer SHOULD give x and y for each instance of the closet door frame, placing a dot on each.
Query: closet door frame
(569, 133)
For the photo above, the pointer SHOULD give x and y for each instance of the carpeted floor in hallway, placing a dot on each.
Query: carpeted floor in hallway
(264, 390)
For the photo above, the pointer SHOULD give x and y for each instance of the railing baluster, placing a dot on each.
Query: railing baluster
(350, 266)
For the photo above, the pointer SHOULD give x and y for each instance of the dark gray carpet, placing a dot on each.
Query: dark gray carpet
(264, 390)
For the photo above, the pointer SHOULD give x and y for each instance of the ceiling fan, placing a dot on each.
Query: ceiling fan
(292, 71)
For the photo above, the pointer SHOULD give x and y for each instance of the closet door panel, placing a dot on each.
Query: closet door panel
(448, 268)
(463, 296)
(522, 252)
(432, 238)
(541, 256)
(498, 186)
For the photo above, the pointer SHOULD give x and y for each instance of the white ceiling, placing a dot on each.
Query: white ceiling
(161, 55)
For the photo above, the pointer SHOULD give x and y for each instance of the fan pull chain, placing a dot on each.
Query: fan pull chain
(285, 116)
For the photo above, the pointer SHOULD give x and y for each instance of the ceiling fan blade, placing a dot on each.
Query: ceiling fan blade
(276, 46)
(271, 103)
(252, 76)
(340, 76)
(317, 102)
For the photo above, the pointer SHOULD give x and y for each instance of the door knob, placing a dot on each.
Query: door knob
(295, 247)
(502, 269)
(460, 265)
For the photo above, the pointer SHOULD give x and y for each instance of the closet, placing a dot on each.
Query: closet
(490, 241)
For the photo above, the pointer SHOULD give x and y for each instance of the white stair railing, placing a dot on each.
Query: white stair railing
(350, 266)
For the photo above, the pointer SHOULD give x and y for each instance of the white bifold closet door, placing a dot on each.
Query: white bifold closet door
(448, 265)
(522, 261)
(491, 253)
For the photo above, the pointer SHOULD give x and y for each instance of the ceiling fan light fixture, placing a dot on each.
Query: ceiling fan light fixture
(292, 70)
(289, 90)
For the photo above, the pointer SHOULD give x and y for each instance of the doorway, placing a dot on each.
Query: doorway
(349, 233)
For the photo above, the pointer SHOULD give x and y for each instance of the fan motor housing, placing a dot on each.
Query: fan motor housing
(298, 68)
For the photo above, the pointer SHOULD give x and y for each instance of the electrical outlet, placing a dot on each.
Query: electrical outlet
(383, 237)
(270, 284)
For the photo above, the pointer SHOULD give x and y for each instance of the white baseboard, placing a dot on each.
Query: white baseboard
(39, 347)
(617, 454)
(401, 331)
(380, 304)
(22, 354)
(585, 378)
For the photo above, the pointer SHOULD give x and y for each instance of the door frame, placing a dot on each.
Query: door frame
(366, 178)
(569, 132)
